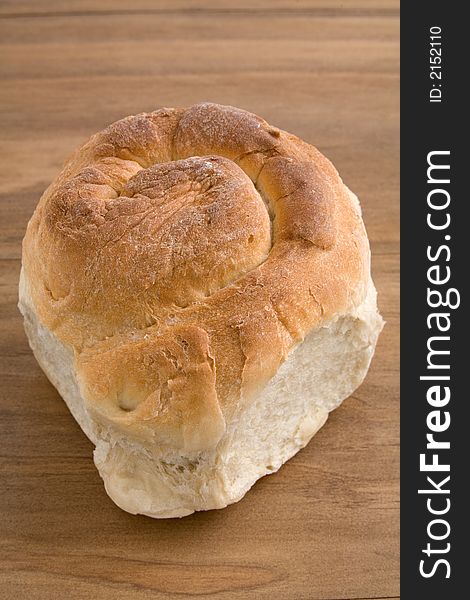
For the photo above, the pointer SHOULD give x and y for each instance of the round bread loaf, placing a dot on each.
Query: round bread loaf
(196, 284)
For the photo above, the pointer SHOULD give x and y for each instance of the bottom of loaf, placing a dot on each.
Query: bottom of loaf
(316, 377)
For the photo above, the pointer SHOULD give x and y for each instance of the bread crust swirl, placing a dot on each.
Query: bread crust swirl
(182, 254)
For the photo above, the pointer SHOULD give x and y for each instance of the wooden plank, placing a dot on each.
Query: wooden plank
(325, 526)
(47, 8)
(200, 27)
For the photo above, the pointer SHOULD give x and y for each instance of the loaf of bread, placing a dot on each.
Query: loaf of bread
(196, 285)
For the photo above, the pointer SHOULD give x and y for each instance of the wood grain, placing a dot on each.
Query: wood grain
(325, 526)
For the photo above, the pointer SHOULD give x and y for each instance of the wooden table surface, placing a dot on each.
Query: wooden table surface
(326, 525)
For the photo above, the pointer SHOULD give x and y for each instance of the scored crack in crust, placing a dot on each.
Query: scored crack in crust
(182, 254)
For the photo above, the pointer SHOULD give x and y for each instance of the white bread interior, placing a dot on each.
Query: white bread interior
(318, 374)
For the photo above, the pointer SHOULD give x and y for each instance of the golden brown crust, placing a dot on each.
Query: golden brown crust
(182, 254)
